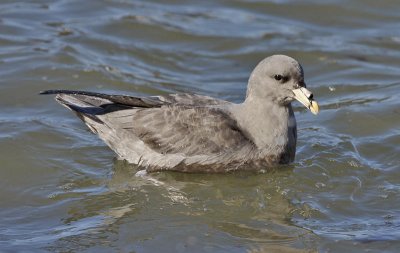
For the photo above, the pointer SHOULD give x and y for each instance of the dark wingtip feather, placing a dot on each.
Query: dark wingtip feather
(76, 92)
(46, 92)
(72, 92)
(117, 99)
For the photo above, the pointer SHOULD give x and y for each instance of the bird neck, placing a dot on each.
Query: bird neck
(269, 124)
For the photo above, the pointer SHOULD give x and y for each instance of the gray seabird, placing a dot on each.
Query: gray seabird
(194, 133)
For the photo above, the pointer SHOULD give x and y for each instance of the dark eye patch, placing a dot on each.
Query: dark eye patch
(281, 78)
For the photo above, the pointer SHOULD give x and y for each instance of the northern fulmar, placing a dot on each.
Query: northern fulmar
(195, 133)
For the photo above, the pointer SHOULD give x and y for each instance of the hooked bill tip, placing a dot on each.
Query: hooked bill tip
(314, 107)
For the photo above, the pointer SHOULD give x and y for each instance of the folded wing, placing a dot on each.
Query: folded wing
(161, 131)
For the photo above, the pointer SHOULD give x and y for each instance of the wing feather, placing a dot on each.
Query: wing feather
(183, 129)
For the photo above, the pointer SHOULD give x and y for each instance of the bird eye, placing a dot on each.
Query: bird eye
(278, 77)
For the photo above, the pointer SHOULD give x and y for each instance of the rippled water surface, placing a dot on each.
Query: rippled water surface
(62, 191)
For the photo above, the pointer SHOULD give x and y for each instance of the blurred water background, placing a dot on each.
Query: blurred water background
(62, 191)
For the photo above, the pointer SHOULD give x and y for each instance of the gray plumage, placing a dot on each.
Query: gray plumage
(194, 133)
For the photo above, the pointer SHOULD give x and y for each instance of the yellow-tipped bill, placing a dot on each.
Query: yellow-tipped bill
(304, 96)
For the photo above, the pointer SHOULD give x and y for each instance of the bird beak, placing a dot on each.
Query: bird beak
(305, 97)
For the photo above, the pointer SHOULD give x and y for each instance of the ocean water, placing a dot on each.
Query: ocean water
(61, 190)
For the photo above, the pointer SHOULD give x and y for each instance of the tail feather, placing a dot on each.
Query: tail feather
(93, 104)
(95, 110)
(88, 104)
(80, 106)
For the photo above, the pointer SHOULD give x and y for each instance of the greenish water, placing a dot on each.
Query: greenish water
(62, 191)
